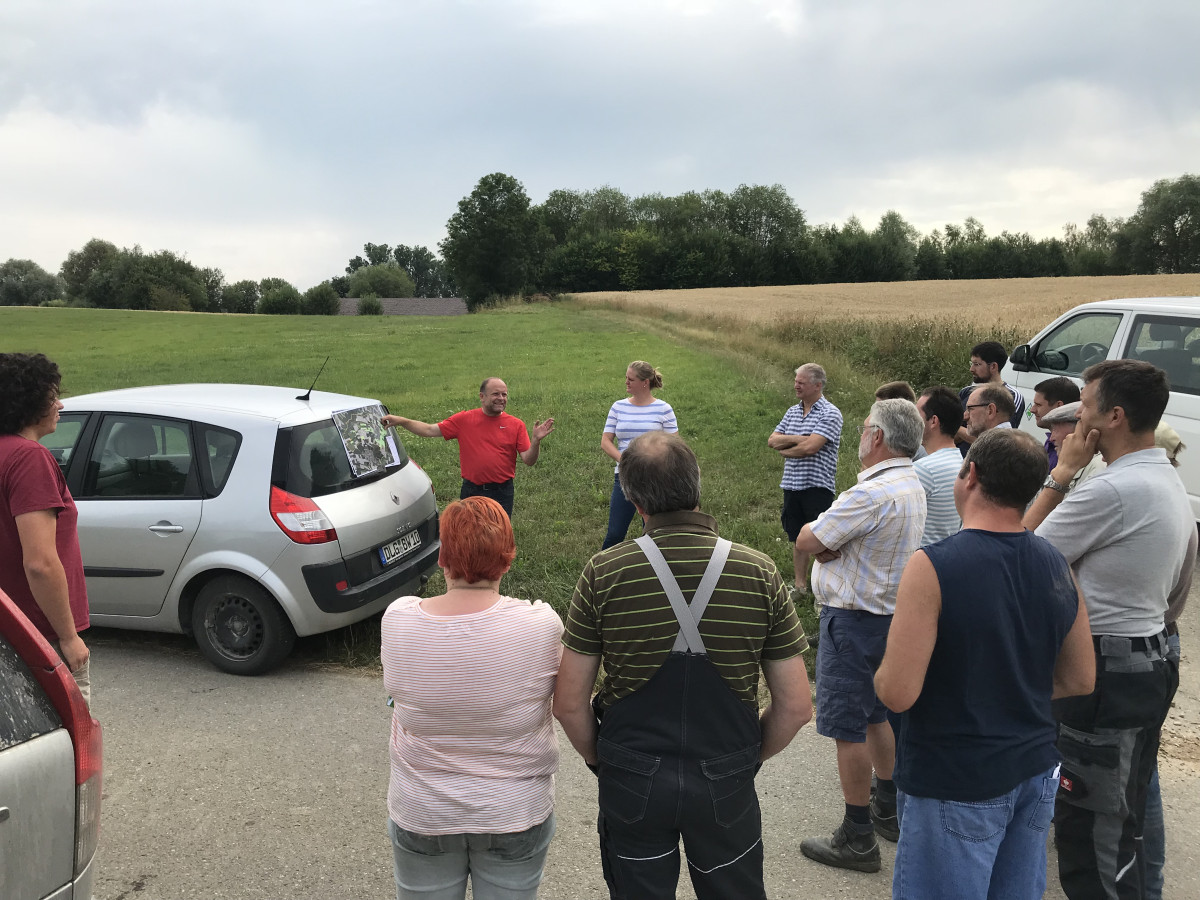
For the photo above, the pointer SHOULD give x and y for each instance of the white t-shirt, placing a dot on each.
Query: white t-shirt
(473, 747)
(627, 421)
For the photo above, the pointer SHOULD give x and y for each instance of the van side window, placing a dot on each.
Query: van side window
(140, 456)
(1077, 343)
(61, 442)
(1171, 343)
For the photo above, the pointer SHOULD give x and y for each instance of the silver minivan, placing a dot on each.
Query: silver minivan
(1164, 331)
(244, 515)
(51, 768)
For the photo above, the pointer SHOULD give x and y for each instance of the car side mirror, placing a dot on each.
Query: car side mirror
(1020, 358)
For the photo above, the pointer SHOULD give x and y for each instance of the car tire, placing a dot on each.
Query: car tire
(239, 627)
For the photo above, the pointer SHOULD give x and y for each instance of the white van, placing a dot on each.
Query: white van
(1160, 330)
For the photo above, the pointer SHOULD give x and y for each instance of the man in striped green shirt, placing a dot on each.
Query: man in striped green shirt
(670, 728)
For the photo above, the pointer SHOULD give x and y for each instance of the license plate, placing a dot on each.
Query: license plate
(389, 553)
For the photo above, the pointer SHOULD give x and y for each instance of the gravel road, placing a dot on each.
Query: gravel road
(229, 788)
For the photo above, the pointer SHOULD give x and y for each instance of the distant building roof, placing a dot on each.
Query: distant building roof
(411, 306)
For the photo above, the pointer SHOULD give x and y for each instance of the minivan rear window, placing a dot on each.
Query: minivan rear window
(25, 710)
(317, 463)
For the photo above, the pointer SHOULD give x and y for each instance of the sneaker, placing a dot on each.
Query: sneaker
(845, 849)
(883, 817)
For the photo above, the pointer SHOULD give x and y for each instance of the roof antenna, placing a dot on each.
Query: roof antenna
(308, 393)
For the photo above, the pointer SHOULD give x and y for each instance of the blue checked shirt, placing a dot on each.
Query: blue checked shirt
(876, 525)
(820, 469)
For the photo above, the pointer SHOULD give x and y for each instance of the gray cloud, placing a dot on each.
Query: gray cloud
(275, 138)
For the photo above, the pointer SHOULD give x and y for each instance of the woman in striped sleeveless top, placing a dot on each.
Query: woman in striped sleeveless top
(627, 418)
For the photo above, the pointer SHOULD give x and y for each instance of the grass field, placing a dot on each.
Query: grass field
(564, 361)
(727, 358)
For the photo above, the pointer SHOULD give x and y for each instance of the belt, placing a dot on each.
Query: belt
(1115, 645)
(489, 484)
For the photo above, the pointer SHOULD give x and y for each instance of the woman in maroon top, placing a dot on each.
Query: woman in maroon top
(40, 564)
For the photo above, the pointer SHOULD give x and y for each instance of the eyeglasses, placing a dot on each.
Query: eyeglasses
(977, 405)
(862, 429)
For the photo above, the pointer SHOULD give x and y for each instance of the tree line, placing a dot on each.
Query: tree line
(105, 276)
(499, 244)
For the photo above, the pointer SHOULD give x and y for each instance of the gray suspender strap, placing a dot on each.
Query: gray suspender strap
(688, 616)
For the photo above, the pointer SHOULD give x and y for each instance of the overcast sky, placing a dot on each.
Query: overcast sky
(273, 138)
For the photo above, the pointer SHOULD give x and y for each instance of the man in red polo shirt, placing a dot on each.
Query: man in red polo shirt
(489, 442)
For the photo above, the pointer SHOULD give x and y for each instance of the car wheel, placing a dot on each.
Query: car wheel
(239, 627)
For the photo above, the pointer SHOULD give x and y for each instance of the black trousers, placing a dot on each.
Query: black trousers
(500, 491)
(677, 763)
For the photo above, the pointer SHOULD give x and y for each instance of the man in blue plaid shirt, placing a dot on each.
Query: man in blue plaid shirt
(807, 438)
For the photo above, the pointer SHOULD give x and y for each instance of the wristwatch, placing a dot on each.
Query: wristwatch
(1055, 486)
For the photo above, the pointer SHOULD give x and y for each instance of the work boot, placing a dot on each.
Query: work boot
(850, 847)
(883, 816)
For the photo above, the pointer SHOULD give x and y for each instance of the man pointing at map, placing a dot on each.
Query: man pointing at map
(489, 442)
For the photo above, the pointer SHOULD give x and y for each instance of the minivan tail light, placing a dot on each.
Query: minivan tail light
(300, 518)
(60, 687)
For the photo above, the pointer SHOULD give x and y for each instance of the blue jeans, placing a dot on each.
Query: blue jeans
(986, 850)
(500, 866)
(620, 514)
(1154, 833)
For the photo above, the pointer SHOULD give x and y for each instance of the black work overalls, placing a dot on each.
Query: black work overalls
(677, 759)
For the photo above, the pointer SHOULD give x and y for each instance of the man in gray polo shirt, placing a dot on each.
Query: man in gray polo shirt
(1125, 531)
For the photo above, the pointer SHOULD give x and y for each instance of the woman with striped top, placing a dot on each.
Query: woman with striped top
(473, 749)
(627, 418)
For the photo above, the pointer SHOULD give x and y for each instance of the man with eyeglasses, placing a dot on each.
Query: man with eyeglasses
(862, 543)
(989, 406)
(987, 361)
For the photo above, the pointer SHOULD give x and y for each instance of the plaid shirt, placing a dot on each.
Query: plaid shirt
(818, 470)
(876, 525)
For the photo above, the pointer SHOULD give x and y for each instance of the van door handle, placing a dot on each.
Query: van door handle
(4, 813)
(166, 528)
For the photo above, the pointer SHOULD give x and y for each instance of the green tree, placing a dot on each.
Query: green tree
(930, 260)
(80, 265)
(383, 280)
(428, 273)
(489, 245)
(214, 283)
(24, 283)
(240, 297)
(279, 298)
(895, 244)
(369, 305)
(321, 300)
(1164, 233)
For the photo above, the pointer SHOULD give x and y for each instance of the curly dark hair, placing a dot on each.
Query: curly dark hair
(29, 383)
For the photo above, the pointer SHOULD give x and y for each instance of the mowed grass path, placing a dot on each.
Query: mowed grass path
(564, 361)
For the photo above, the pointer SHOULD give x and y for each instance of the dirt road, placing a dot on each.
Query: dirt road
(230, 788)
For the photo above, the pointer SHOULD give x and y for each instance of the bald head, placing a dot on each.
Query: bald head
(659, 474)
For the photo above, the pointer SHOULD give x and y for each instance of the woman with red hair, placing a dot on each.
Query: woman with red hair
(473, 749)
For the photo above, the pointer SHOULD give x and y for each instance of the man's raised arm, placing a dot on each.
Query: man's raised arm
(421, 429)
(540, 431)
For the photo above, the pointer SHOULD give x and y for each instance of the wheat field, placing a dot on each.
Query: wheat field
(1022, 303)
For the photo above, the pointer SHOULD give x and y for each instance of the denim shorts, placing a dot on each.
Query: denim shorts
(848, 654)
(436, 867)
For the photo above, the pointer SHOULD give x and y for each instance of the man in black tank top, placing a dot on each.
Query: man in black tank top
(989, 627)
